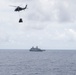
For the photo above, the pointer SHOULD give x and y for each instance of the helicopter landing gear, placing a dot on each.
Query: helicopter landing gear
(20, 20)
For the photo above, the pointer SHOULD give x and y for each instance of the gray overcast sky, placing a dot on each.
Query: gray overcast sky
(48, 24)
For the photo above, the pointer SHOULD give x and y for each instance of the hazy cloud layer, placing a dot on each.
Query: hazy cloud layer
(51, 10)
(47, 23)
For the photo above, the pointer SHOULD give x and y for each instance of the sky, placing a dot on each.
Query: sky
(49, 24)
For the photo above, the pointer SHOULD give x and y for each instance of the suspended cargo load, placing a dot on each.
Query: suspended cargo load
(20, 20)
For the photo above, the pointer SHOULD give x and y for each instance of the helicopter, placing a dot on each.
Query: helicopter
(18, 8)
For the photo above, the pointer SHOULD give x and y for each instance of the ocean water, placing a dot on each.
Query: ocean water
(50, 62)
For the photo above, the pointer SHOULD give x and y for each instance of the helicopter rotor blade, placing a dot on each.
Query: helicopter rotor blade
(13, 6)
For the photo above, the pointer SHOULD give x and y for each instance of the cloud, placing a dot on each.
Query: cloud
(48, 24)
(49, 10)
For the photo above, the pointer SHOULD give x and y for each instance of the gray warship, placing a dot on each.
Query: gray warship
(36, 49)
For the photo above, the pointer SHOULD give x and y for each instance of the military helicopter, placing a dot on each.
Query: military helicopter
(18, 9)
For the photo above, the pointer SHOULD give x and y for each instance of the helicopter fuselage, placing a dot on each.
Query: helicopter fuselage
(19, 9)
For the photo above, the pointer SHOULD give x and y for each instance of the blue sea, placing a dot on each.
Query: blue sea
(49, 62)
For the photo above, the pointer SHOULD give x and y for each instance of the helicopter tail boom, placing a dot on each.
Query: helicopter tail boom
(25, 7)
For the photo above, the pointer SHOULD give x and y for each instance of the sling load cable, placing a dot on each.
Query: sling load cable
(20, 19)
